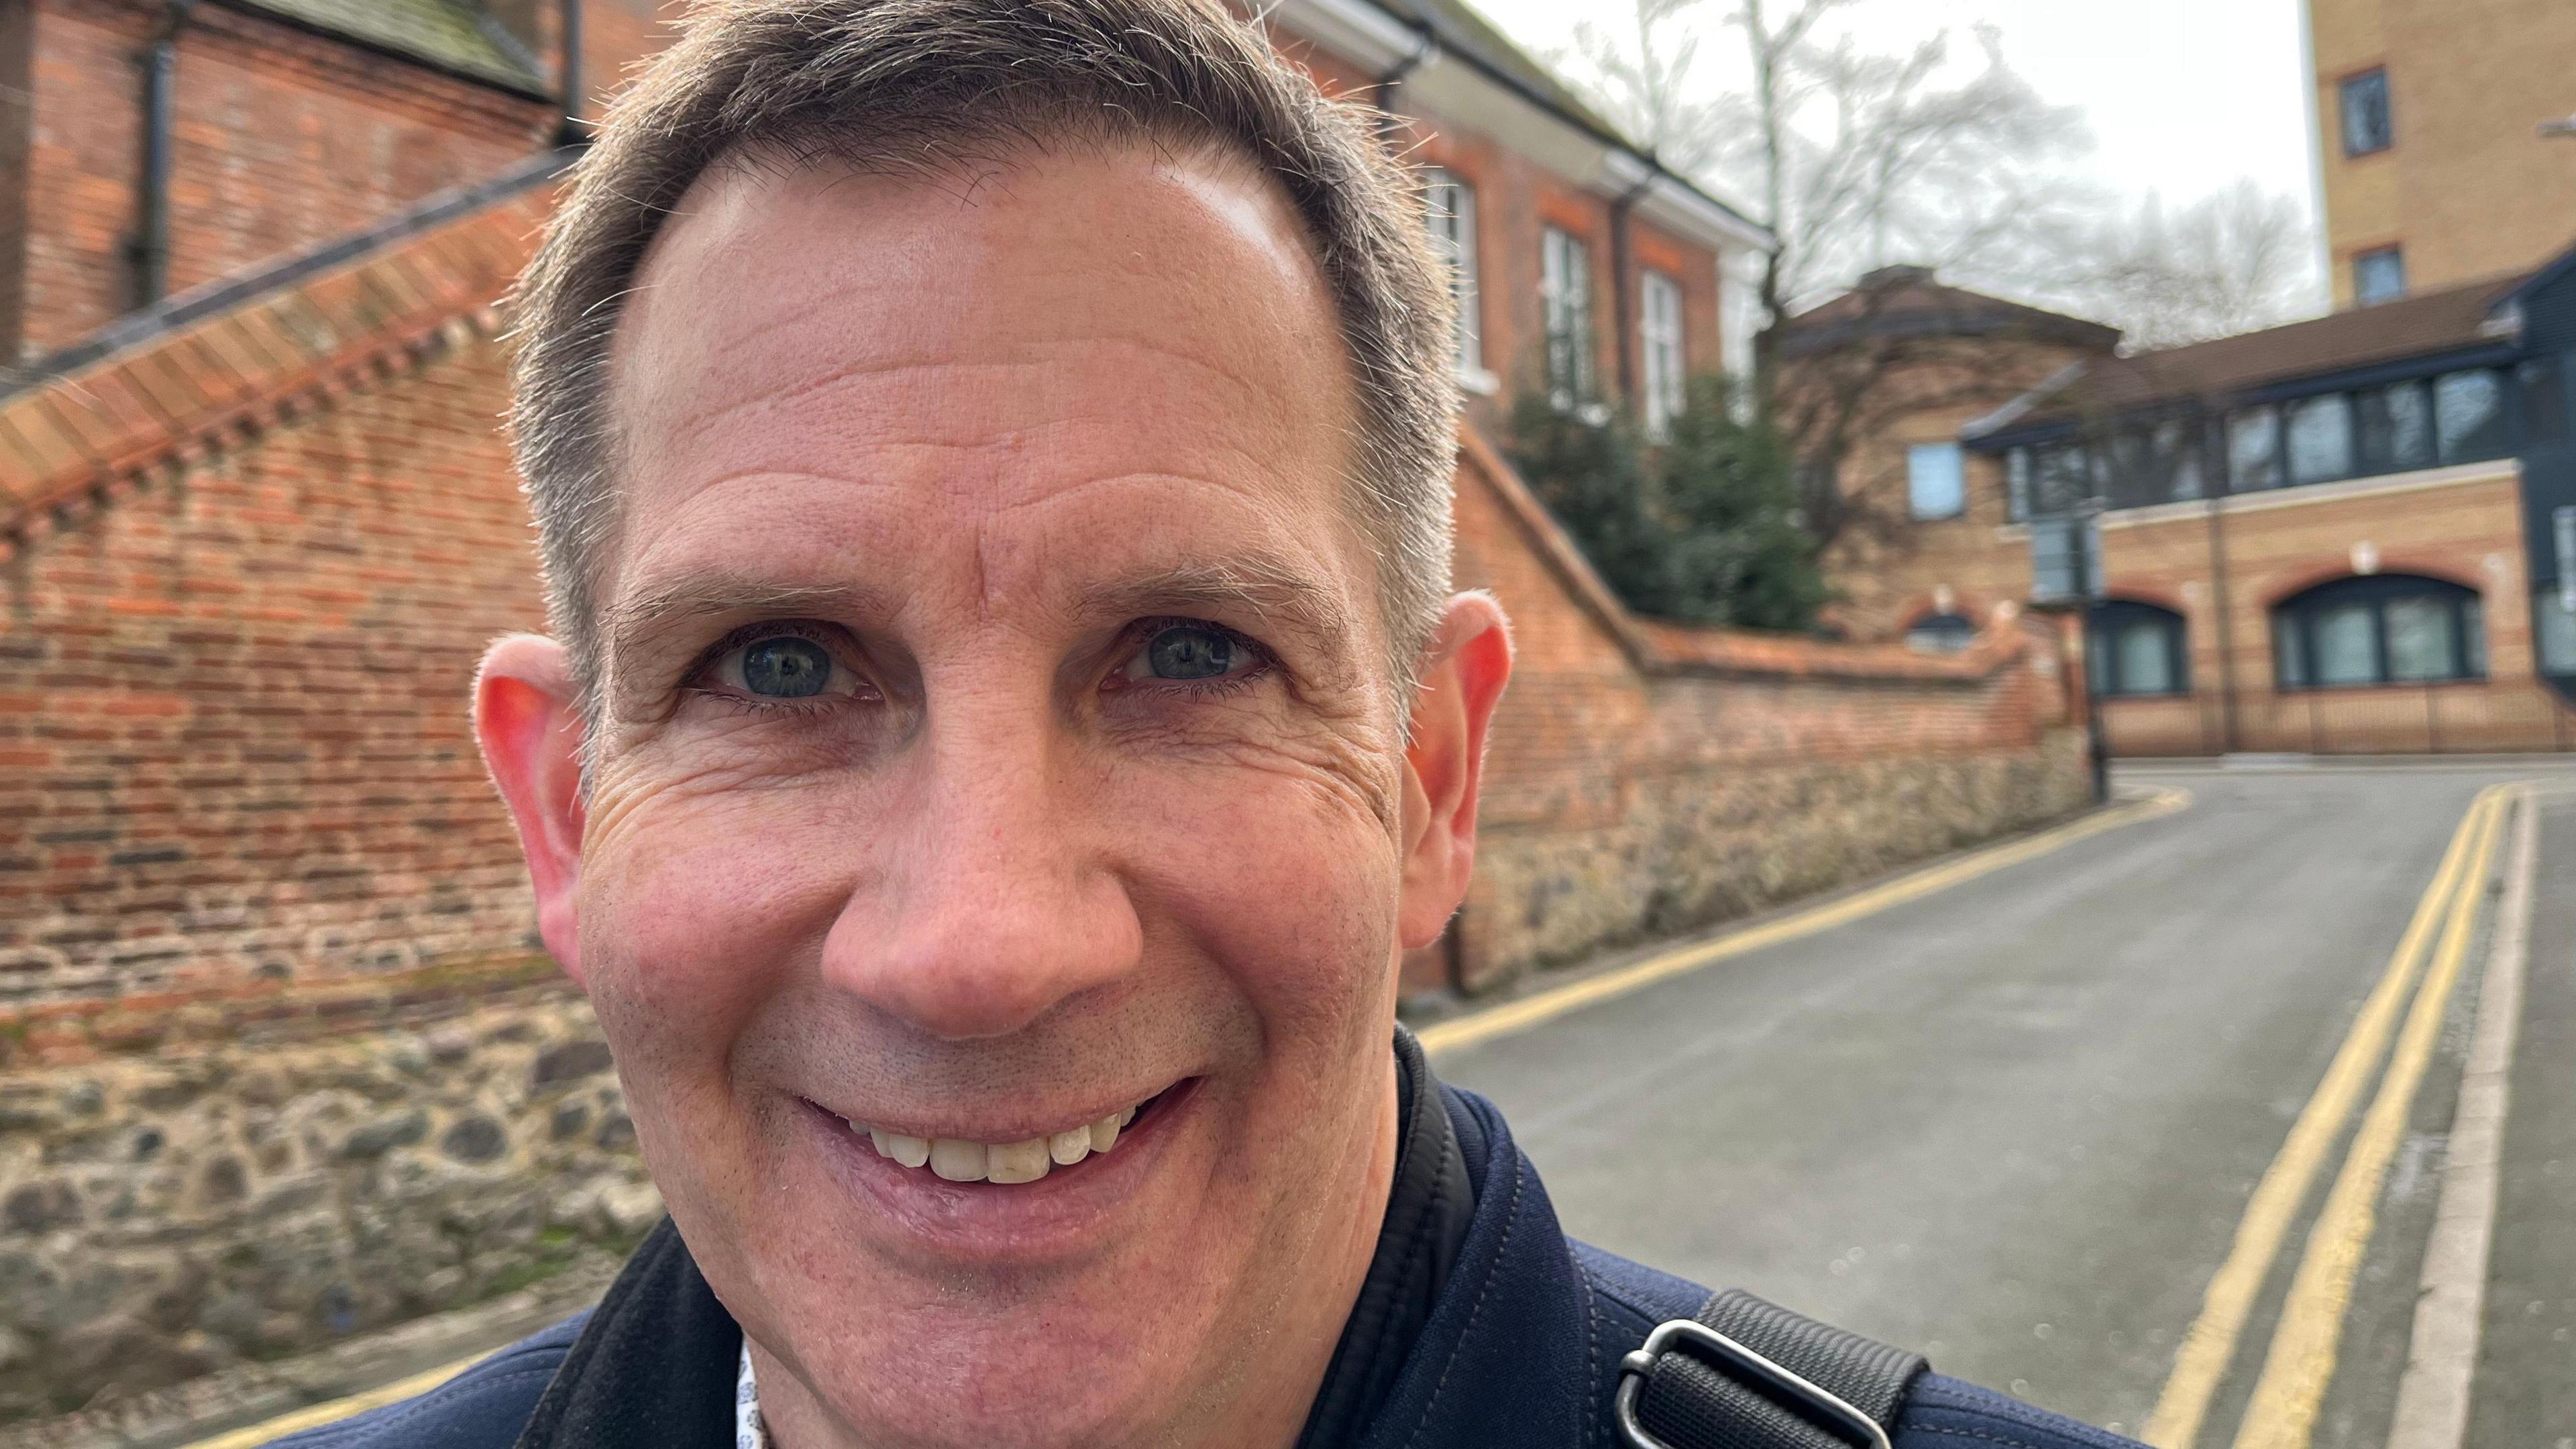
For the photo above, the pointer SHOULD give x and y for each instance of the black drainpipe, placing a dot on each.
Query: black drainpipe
(151, 245)
(571, 132)
(1382, 95)
(1621, 326)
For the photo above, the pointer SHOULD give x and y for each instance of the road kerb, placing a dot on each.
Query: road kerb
(2442, 1355)
(2209, 1345)
(1529, 1011)
(2309, 1336)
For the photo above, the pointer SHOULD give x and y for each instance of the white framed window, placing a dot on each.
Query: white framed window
(1935, 481)
(1565, 298)
(1660, 332)
(1451, 204)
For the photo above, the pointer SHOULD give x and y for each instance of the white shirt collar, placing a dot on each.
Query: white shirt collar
(749, 1430)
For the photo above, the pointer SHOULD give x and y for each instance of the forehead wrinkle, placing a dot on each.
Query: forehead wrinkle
(684, 429)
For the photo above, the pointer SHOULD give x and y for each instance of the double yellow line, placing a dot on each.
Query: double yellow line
(2300, 1361)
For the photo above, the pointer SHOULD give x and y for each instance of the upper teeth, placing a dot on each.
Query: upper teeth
(962, 1161)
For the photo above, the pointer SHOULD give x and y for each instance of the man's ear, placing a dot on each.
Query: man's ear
(1465, 667)
(528, 721)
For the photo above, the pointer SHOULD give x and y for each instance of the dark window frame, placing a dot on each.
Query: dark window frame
(2547, 418)
(2104, 623)
(2500, 426)
(2361, 261)
(2124, 466)
(1939, 633)
(2360, 83)
(2369, 454)
(2299, 614)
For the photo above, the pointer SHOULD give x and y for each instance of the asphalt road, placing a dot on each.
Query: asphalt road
(2016, 1123)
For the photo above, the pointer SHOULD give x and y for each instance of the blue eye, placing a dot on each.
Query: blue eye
(786, 667)
(1184, 652)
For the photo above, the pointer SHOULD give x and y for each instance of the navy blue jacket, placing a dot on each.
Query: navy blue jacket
(1522, 1348)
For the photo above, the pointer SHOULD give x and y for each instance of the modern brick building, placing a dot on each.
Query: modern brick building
(2340, 535)
(2350, 534)
(2432, 158)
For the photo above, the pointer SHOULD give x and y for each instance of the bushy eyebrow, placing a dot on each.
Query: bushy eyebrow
(634, 625)
(1266, 586)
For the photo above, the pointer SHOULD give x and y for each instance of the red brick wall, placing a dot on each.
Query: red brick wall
(282, 139)
(1622, 802)
(232, 707)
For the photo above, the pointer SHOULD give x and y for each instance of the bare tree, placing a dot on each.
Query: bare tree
(2232, 262)
(1861, 158)
(1868, 158)
(1641, 73)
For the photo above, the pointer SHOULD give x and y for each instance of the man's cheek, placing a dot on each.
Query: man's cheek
(1290, 886)
(693, 903)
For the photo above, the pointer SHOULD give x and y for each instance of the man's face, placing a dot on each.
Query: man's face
(997, 740)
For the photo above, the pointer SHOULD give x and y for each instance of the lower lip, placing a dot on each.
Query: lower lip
(1063, 1212)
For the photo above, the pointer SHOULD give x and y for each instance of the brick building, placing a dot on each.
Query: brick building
(2432, 162)
(1877, 384)
(2339, 535)
(1584, 267)
(280, 1059)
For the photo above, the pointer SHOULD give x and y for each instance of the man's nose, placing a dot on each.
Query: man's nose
(999, 898)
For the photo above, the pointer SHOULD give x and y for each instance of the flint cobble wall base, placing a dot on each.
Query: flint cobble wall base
(1717, 843)
(166, 1215)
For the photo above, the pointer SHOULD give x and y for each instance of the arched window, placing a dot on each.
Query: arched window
(1939, 634)
(2139, 649)
(2383, 629)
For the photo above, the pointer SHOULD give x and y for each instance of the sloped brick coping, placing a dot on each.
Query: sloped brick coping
(77, 442)
(63, 1033)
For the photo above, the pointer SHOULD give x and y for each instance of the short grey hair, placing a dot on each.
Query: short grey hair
(912, 86)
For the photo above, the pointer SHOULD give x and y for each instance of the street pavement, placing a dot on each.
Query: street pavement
(2016, 1123)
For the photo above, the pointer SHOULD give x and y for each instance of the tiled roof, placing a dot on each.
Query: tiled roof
(2454, 319)
(1463, 31)
(1912, 302)
(456, 35)
(1459, 27)
(87, 436)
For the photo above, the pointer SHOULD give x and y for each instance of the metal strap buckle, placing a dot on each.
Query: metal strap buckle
(1726, 1355)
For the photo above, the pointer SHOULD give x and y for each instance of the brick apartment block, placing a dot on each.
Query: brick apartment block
(2433, 166)
(2336, 536)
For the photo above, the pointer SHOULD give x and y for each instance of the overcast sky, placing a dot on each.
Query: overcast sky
(2183, 96)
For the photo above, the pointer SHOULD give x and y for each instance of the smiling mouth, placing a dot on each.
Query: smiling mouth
(957, 1160)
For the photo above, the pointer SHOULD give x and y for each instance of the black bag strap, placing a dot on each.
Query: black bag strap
(1746, 1374)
